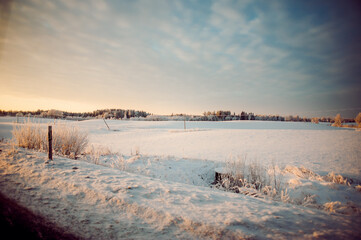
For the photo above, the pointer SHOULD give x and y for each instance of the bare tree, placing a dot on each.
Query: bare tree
(358, 119)
(338, 121)
(315, 120)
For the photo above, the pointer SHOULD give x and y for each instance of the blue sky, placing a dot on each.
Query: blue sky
(266, 57)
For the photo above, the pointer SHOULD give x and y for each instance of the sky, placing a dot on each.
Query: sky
(266, 57)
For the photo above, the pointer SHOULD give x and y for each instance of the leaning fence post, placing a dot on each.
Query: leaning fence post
(106, 124)
(50, 139)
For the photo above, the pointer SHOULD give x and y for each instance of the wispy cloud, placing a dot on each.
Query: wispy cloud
(270, 56)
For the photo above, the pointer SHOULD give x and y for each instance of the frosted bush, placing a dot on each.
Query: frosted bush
(94, 153)
(336, 178)
(252, 179)
(331, 206)
(29, 135)
(309, 200)
(302, 172)
(305, 173)
(358, 120)
(338, 121)
(119, 163)
(236, 168)
(67, 140)
(284, 196)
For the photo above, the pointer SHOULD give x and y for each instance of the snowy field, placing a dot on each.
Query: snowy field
(153, 179)
(320, 148)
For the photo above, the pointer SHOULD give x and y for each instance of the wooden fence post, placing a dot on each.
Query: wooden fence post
(50, 139)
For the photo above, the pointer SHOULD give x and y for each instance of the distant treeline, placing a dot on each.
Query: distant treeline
(142, 115)
(104, 113)
(228, 116)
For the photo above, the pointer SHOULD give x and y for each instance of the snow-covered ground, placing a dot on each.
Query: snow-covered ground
(153, 180)
(318, 147)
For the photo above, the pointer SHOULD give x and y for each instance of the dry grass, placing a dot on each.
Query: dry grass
(30, 135)
(252, 179)
(336, 178)
(119, 163)
(94, 153)
(302, 172)
(67, 140)
(305, 173)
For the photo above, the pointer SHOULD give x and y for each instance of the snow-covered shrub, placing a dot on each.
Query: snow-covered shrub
(119, 163)
(94, 153)
(284, 196)
(67, 140)
(338, 121)
(251, 179)
(256, 175)
(236, 168)
(358, 120)
(331, 206)
(309, 200)
(336, 178)
(348, 208)
(303, 172)
(29, 135)
(102, 155)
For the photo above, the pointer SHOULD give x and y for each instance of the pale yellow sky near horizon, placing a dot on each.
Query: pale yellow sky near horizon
(27, 104)
(14, 103)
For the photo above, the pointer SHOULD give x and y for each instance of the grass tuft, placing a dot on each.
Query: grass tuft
(67, 140)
